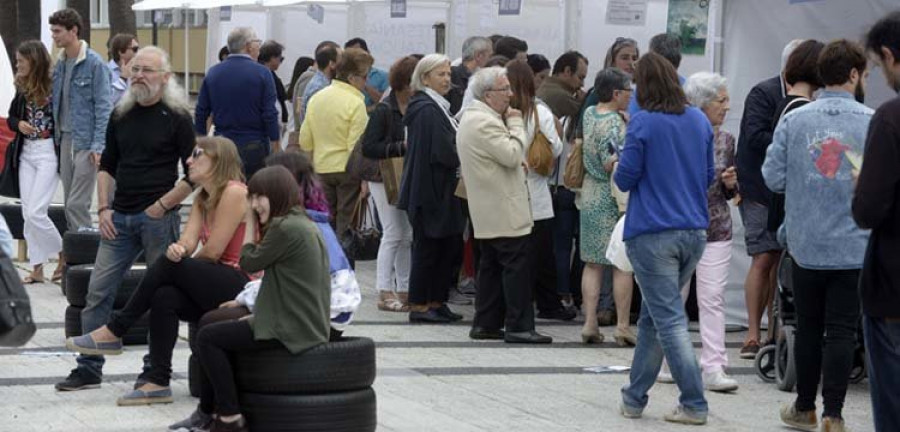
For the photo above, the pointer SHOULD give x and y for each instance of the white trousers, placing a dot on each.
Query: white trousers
(395, 252)
(712, 275)
(38, 180)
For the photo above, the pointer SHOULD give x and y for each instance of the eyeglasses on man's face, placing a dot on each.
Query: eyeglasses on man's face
(143, 70)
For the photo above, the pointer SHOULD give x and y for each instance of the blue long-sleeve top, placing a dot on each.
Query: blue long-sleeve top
(667, 165)
(240, 95)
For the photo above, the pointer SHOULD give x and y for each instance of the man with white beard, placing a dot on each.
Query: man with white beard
(148, 133)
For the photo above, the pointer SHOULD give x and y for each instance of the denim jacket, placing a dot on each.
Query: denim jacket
(814, 152)
(90, 102)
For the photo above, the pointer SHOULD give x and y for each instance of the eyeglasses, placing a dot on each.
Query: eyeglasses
(506, 89)
(135, 49)
(144, 70)
(197, 153)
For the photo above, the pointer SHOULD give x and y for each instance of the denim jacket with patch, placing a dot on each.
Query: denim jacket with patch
(90, 102)
(814, 152)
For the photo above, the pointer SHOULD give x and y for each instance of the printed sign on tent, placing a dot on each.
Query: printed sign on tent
(626, 12)
(316, 12)
(510, 7)
(398, 8)
(225, 13)
(689, 20)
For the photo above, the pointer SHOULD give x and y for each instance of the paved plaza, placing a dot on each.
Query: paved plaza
(430, 378)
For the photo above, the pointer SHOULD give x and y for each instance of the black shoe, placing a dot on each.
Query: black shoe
(78, 380)
(559, 314)
(445, 312)
(527, 337)
(239, 425)
(481, 333)
(430, 317)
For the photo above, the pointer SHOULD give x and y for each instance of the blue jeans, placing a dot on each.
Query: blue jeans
(663, 262)
(136, 232)
(883, 355)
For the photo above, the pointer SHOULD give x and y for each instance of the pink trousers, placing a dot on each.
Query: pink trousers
(712, 275)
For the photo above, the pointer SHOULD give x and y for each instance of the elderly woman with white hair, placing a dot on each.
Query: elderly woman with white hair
(430, 178)
(709, 92)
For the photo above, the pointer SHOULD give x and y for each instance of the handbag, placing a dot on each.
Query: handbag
(392, 174)
(573, 176)
(620, 196)
(616, 252)
(9, 177)
(16, 325)
(540, 154)
(362, 238)
(360, 167)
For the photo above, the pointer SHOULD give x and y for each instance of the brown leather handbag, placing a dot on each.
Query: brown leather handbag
(540, 155)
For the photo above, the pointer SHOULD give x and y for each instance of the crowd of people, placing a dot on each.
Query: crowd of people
(498, 180)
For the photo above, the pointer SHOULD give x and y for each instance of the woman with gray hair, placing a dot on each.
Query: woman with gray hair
(709, 92)
(430, 178)
(604, 135)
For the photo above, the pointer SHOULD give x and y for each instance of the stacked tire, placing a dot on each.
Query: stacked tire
(328, 387)
(80, 251)
(193, 362)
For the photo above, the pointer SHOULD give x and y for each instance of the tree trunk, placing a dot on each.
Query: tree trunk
(30, 20)
(9, 28)
(121, 17)
(83, 7)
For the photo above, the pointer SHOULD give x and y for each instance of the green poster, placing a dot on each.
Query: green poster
(688, 19)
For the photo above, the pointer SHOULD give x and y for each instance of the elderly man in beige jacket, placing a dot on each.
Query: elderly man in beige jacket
(491, 146)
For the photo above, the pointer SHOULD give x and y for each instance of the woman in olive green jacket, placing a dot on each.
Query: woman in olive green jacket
(293, 306)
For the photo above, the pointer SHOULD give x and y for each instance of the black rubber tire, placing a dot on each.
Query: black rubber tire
(73, 321)
(785, 363)
(764, 363)
(354, 411)
(348, 364)
(57, 214)
(194, 376)
(78, 277)
(12, 212)
(137, 334)
(81, 247)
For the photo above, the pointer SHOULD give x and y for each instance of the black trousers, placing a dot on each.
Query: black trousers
(216, 342)
(827, 304)
(543, 267)
(504, 286)
(171, 292)
(433, 261)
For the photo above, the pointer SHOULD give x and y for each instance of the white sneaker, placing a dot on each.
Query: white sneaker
(665, 378)
(719, 382)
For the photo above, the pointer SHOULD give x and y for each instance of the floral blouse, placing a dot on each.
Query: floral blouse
(718, 195)
(40, 116)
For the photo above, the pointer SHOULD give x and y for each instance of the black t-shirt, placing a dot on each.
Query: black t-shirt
(142, 152)
(776, 205)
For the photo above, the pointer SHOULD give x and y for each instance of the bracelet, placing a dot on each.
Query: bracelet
(101, 209)
(159, 201)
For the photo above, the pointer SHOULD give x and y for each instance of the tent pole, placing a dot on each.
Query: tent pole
(187, 67)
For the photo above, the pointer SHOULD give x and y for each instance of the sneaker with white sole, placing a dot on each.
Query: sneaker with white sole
(665, 378)
(679, 415)
(630, 412)
(719, 381)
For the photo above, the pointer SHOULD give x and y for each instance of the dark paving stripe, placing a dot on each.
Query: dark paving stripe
(399, 344)
(389, 372)
(50, 325)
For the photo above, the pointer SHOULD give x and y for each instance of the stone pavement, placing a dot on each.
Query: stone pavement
(430, 378)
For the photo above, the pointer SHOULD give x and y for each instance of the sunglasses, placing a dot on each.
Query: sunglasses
(197, 153)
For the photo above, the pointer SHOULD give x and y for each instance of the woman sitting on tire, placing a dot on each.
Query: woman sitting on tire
(292, 309)
(345, 294)
(184, 285)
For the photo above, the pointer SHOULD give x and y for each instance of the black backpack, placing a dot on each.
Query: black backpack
(16, 325)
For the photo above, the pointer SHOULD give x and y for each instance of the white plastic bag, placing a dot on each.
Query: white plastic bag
(615, 252)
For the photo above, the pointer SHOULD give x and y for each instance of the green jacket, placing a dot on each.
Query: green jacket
(294, 300)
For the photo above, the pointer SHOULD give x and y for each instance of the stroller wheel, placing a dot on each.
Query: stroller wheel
(785, 368)
(765, 363)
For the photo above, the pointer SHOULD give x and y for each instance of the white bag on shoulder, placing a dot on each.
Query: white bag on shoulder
(615, 252)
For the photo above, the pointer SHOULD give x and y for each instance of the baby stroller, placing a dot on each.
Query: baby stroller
(775, 361)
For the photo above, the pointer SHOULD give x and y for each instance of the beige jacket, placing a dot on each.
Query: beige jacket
(492, 156)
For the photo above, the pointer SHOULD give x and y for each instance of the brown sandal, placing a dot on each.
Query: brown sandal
(389, 302)
(58, 273)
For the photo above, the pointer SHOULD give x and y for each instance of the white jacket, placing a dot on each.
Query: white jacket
(538, 185)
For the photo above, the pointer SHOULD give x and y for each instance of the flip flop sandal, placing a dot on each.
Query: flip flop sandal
(57, 275)
(28, 280)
